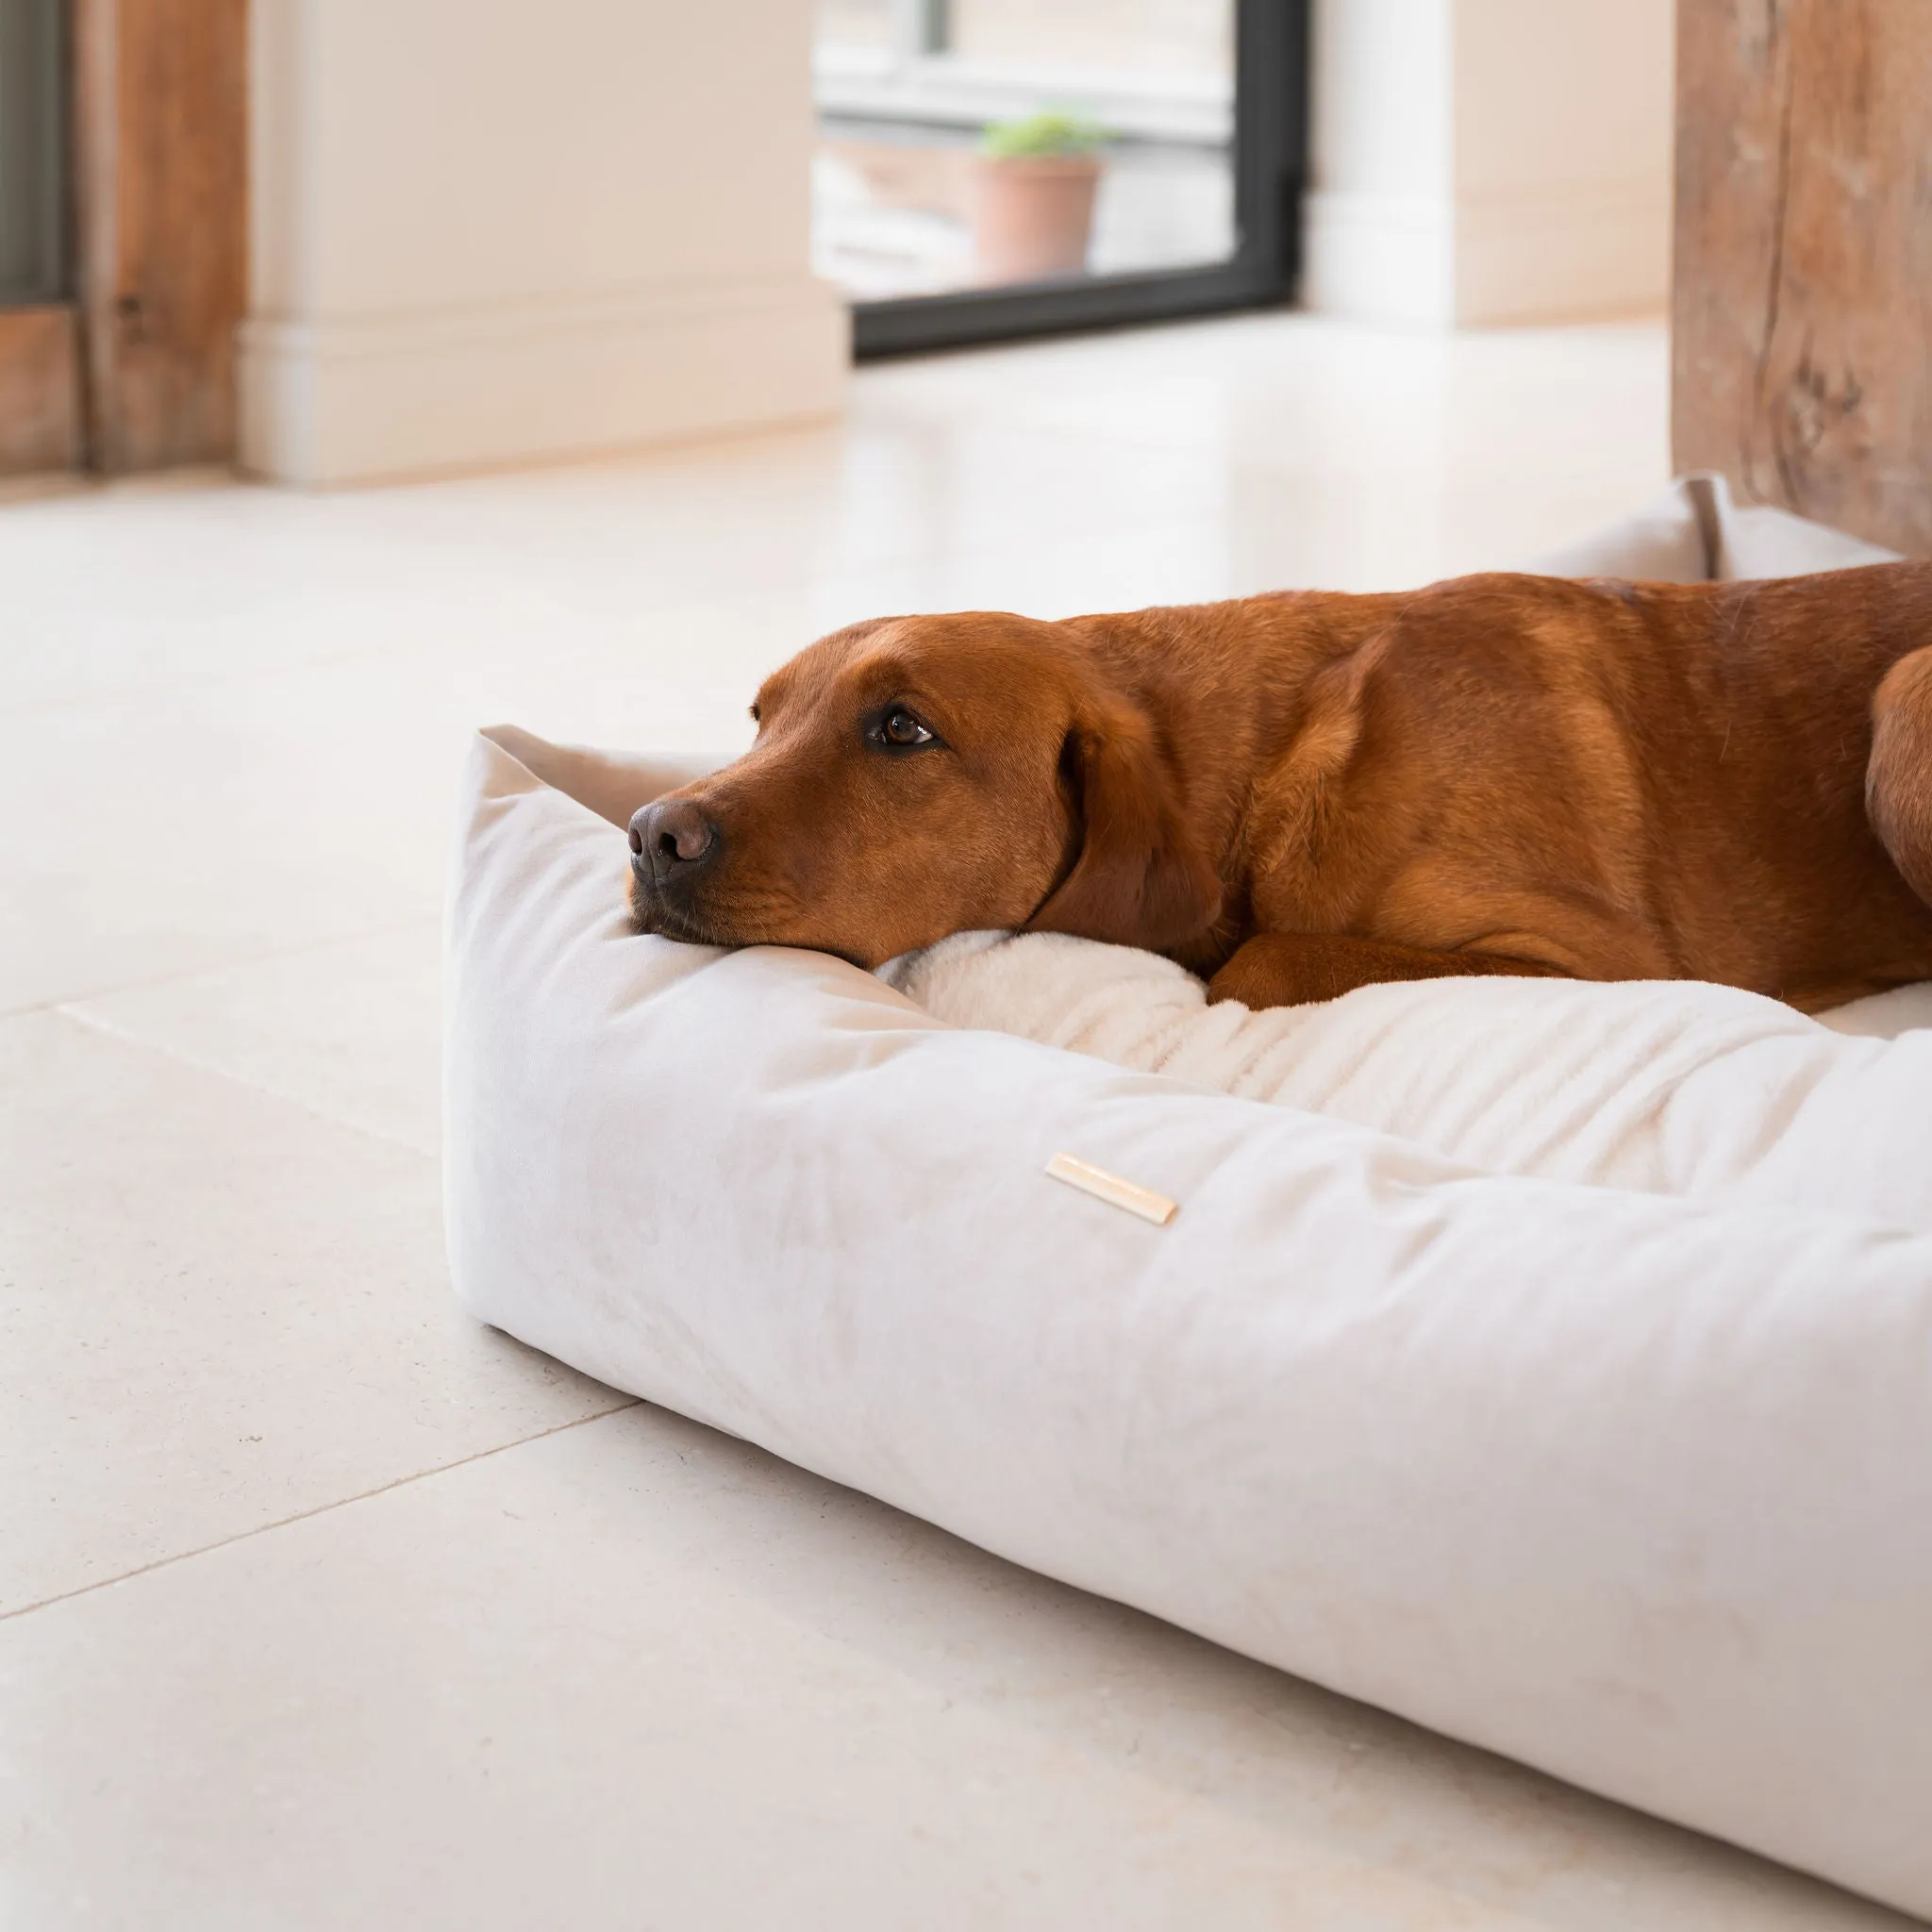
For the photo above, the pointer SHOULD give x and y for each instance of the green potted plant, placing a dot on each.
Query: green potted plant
(1030, 197)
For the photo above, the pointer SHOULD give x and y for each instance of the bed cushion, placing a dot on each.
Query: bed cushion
(1630, 1486)
(1671, 1087)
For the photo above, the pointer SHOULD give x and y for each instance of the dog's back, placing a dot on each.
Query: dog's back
(1616, 780)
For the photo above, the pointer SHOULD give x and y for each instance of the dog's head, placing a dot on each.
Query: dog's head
(916, 777)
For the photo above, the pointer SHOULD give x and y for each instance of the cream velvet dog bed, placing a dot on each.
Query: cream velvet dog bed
(1551, 1365)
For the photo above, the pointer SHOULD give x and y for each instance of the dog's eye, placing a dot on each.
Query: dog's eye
(896, 728)
(757, 717)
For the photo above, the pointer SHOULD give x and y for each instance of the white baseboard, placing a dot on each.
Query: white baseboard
(336, 402)
(1502, 259)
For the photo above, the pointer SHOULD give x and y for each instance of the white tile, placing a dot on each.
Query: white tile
(1514, 438)
(169, 832)
(130, 588)
(638, 1674)
(217, 1311)
(351, 1029)
(1307, 394)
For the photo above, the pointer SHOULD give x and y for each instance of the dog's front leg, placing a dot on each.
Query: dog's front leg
(1292, 968)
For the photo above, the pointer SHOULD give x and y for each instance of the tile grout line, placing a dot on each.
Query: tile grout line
(242, 1535)
(63, 1000)
(106, 1029)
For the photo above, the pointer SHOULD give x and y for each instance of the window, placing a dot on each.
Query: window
(992, 167)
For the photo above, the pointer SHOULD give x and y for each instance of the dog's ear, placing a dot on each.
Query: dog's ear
(1139, 875)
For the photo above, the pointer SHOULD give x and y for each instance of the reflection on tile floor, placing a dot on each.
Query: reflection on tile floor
(328, 1609)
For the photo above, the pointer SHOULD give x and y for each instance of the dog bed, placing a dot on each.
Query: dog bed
(1620, 1464)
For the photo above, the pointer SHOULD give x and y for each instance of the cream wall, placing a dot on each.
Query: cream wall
(1490, 161)
(492, 230)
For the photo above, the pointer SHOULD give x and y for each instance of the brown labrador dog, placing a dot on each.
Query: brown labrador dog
(1301, 793)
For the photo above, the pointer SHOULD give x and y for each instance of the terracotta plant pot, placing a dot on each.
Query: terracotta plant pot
(1032, 216)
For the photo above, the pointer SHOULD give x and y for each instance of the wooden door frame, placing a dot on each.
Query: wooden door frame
(40, 361)
(41, 414)
(137, 370)
(161, 155)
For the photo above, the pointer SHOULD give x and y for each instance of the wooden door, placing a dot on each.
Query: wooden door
(1802, 343)
(127, 358)
(40, 361)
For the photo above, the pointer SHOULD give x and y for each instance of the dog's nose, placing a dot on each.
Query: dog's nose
(672, 838)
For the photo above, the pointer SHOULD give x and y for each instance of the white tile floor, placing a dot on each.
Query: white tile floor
(320, 1607)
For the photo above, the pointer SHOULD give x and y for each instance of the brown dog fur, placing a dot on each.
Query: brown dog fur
(1304, 792)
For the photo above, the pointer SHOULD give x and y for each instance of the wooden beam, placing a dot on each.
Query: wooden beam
(1802, 343)
(161, 153)
(40, 389)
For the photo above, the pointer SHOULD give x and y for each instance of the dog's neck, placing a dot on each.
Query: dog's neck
(1228, 689)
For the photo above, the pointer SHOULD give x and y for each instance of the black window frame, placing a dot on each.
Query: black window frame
(1270, 156)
